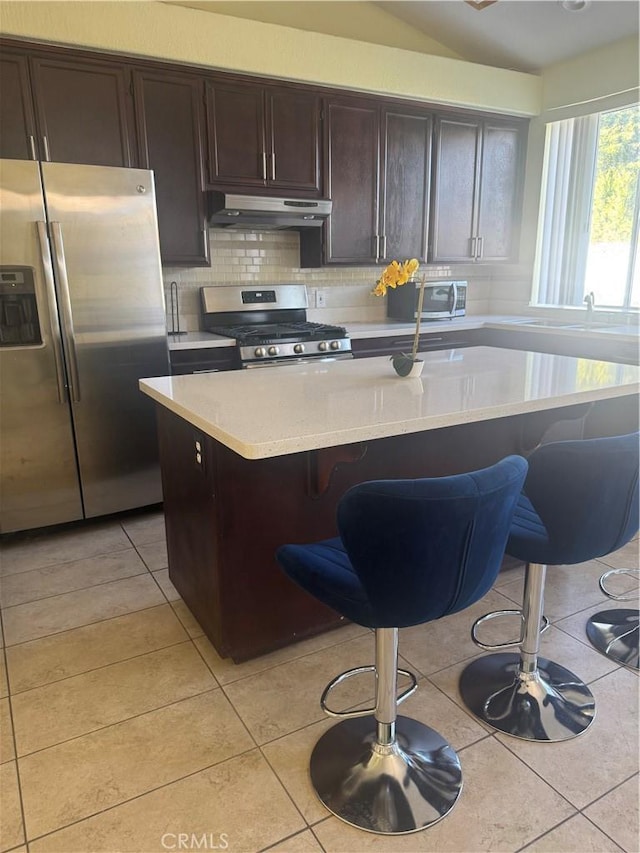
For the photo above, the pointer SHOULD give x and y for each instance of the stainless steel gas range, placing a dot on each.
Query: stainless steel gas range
(270, 325)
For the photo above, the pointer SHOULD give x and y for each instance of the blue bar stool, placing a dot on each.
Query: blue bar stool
(580, 501)
(615, 632)
(409, 551)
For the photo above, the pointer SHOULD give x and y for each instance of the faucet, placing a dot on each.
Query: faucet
(590, 300)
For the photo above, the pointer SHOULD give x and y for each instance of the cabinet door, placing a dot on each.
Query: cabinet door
(83, 112)
(206, 360)
(294, 140)
(237, 152)
(353, 182)
(169, 114)
(407, 165)
(455, 188)
(498, 205)
(17, 123)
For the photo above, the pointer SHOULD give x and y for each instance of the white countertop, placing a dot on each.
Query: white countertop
(278, 410)
(388, 328)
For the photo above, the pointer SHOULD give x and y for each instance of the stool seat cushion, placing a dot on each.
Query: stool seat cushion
(325, 571)
(412, 550)
(528, 534)
(579, 502)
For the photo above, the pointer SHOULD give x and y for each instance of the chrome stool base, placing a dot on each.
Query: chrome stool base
(548, 704)
(615, 634)
(390, 789)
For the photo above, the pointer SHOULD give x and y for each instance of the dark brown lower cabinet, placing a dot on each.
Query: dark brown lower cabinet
(203, 360)
(367, 347)
(226, 515)
(169, 111)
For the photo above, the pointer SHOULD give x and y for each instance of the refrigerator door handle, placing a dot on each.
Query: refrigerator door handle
(65, 303)
(52, 305)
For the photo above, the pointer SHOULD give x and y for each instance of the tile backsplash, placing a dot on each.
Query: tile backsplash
(273, 257)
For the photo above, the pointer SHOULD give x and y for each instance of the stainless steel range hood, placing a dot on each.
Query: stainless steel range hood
(228, 210)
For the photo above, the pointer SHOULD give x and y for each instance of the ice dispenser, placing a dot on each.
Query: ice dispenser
(19, 324)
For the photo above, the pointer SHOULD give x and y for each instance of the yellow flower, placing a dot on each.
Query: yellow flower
(395, 275)
(412, 266)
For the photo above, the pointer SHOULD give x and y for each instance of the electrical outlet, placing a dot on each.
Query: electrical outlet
(321, 299)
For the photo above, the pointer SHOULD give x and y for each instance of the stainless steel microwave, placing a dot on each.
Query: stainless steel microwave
(442, 299)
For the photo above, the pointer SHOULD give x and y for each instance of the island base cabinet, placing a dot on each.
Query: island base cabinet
(226, 515)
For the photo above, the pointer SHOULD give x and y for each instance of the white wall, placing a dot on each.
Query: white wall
(187, 35)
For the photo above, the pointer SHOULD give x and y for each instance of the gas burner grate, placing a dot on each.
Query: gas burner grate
(266, 332)
(320, 328)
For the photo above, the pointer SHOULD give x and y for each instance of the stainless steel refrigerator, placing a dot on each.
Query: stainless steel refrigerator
(81, 320)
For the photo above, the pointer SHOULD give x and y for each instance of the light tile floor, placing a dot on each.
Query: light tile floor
(123, 729)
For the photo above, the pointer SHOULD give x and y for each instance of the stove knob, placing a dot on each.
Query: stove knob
(323, 346)
(335, 344)
(274, 350)
(298, 348)
(260, 352)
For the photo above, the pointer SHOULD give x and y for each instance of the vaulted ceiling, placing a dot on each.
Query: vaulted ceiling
(523, 35)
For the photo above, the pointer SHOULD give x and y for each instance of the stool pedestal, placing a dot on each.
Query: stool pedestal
(524, 695)
(395, 788)
(615, 634)
(380, 772)
(548, 704)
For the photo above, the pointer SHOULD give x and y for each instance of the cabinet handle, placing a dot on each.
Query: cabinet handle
(377, 249)
(480, 248)
(264, 165)
(474, 243)
(32, 147)
(384, 245)
(45, 146)
(273, 166)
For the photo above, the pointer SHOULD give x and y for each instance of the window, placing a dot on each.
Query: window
(590, 211)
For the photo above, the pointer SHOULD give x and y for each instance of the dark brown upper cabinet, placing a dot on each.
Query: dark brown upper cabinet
(84, 111)
(353, 182)
(263, 137)
(65, 111)
(406, 165)
(169, 118)
(476, 190)
(17, 119)
(378, 170)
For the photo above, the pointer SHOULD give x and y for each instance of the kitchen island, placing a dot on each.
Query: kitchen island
(256, 458)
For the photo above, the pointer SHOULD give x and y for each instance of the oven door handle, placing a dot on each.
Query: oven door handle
(283, 362)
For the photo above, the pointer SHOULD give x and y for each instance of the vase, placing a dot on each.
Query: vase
(406, 366)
